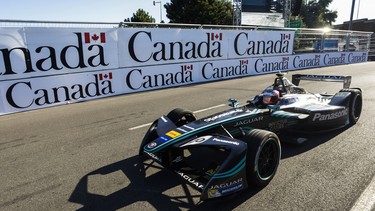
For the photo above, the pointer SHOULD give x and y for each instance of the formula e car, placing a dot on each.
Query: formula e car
(229, 151)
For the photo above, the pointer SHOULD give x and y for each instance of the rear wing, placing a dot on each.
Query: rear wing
(328, 78)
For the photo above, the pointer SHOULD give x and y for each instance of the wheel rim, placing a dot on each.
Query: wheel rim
(268, 159)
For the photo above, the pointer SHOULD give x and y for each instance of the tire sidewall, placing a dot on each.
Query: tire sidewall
(352, 107)
(255, 148)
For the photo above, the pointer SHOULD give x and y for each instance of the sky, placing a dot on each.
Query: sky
(118, 10)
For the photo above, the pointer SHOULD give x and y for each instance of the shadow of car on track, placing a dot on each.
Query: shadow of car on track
(152, 189)
(313, 141)
(140, 188)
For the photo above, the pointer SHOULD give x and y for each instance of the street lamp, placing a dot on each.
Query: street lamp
(159, 2)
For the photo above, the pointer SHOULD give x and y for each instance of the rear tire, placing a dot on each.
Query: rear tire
(263, 156)
(355, 105)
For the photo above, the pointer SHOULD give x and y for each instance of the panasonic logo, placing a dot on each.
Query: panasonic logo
(331, 116)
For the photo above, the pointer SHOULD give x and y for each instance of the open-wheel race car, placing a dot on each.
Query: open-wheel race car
(229, 151)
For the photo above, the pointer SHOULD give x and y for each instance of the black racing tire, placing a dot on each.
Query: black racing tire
(263, 157)
(355, 104)
(181, 116)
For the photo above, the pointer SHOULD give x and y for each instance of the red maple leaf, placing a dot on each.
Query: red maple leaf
(95, 37)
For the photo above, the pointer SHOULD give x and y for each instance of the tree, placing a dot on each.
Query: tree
(316, 15)
(140, 16)
(216, 12)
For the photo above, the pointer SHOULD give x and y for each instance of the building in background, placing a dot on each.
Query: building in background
(262, 13)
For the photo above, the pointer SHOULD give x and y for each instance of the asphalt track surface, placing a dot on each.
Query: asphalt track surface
(83, 156)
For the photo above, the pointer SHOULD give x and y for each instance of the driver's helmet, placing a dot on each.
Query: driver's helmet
(271, 97)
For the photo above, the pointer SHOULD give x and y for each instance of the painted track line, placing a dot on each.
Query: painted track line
(366, 202)
(198, 111)
(206, 109)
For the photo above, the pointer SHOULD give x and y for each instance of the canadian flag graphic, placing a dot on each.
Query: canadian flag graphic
(188, 67)
(317, 56)
(285, 36)
(285, 59)
(94, 37)
(218, 36)
(342, 55)
(105, 76)
(243, 62)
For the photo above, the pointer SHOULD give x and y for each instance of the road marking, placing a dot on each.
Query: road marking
(199, 111)
(140, 126)
(206, 109)
(366, 202)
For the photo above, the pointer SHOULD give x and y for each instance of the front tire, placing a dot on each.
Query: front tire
(181, 116)
(263, 157)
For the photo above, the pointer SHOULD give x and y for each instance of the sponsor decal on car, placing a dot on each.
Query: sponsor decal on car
(197, 141)
(211, 172)
(190, 180)
(275, 126)
(154, 156)
(173, 134)
(330, 116)
(152, 145)
(210, 119)
(226, 141)
(225, 188)
(249, 121)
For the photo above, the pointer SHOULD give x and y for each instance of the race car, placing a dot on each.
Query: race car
(229, 151)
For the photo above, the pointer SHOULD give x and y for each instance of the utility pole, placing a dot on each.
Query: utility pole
(161, 16)
(287, 12)
(237, 12)
(351, 15)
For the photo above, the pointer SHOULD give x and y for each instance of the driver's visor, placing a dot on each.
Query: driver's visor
(266, 99)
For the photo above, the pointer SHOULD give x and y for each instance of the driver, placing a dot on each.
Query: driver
(271, 97)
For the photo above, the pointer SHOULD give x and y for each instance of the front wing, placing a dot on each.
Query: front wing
(213, 165)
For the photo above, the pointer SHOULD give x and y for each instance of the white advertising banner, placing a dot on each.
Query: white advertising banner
(33, 93)
(150, 46)
(157, 77)
(250, 43)
(34, 52)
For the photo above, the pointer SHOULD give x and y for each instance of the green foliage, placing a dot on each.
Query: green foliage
(140, 16)
(216, 12)
(316, 15)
